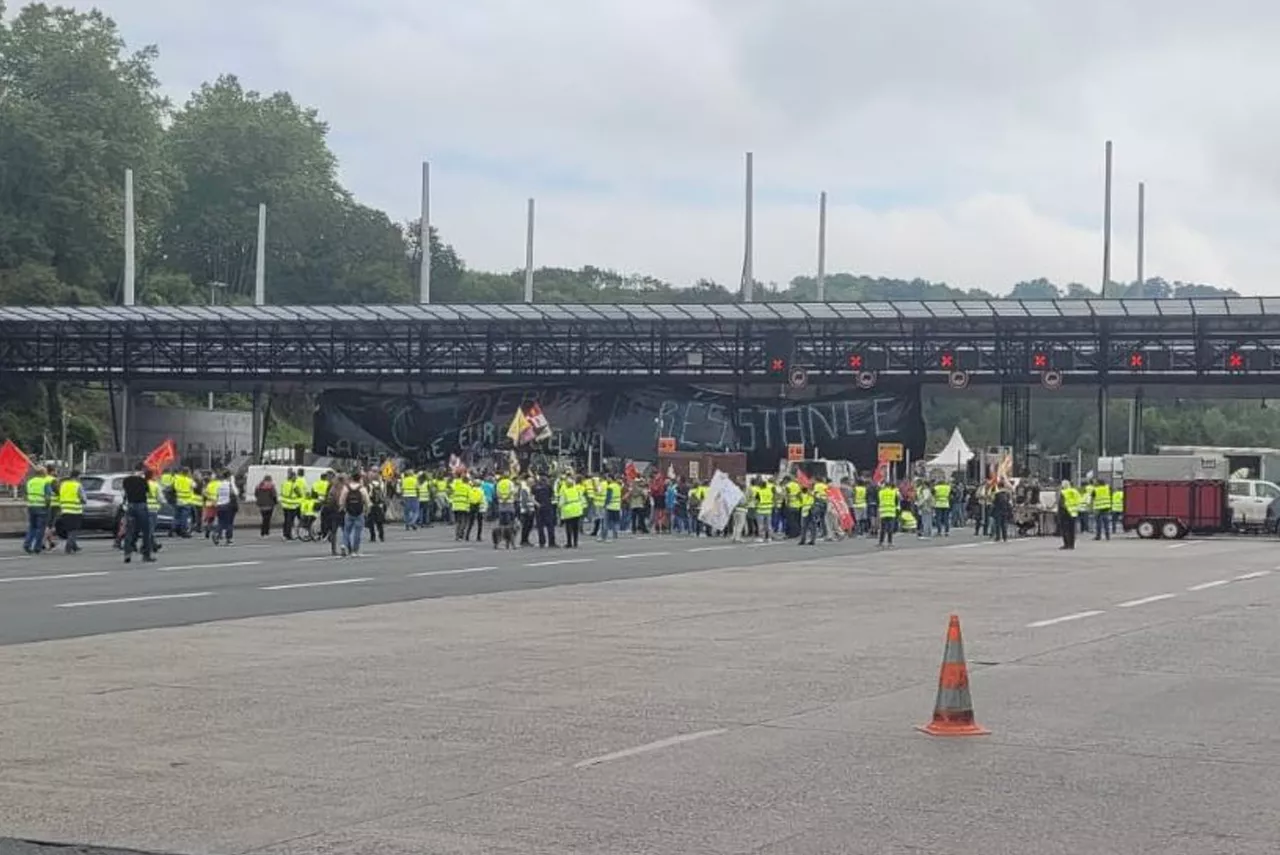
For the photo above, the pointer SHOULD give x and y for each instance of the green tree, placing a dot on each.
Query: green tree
(76, 110)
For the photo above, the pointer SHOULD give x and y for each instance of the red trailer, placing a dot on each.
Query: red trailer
(1172, 496)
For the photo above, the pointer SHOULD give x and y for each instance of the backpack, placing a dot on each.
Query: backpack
(355, 503)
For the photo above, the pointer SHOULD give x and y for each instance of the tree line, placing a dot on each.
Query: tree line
(78, 107)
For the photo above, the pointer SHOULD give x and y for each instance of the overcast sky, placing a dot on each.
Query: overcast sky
(960, 142)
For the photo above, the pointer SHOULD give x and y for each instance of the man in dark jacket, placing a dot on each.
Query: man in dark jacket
(545, 512)
(267, 498)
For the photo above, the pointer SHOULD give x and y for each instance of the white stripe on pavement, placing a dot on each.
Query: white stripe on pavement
(1064, 619)
(709, 548)
(641, 555)
(1204, 586)
(293, 585)
(560, 561)
(210, 566)
(56, 576)
(442, 551)
(652, 746)
(453, 572)
(1144, 600)
(187, 596)
(319, 558)
(1257, 575)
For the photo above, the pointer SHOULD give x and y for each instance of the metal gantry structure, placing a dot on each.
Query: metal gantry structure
(992, 341)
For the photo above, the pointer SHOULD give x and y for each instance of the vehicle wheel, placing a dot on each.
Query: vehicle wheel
(1146, 529)
(1170, 530)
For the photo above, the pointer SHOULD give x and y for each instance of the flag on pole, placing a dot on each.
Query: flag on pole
(630, 472)
(161, 456)
(519, 427)
(538, 421)
(882, 472)
(14, 465)
(803, 479)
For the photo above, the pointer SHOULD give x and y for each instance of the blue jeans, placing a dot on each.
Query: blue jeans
(411, 512)
(352, 528)
(612, 522)
(37, 520)
(944, 521)
(138, 525)
(1103, 526)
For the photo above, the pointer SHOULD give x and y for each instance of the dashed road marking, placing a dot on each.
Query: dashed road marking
(320, 558)
(651, 746)
(641, 555)
(453, 572)
(709, 548)
(1065, 618)
(210, 566)
(54, 576)
(186, 596)
(1255, 575)
(559, 561)
(442, 551)
(1145, 600)
(326, 583)
(1204, 586)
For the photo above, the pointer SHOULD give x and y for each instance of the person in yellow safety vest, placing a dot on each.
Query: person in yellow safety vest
(409, 501)
(571, 509)
(1101, 509)
(289, 504)
(210, 504)
(424, 500)
(184, 496)
(942, 504)
(306, 516)
(39, 497)
(906, 519)
(302, 492)
(153, 507)
(887, 498)
(167, 491)
(808, 519)
(611, 500)
(1085, 506)
(1068, 509)
(476, 510)
(764, 511)
(863, 522)
(1117, 510)
(440, 493)
(460, 504)
(792, 507)
(71, 502)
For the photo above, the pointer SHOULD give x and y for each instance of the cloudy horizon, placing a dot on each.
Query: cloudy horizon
(961, 144)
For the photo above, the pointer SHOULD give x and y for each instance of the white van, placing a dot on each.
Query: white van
(253, 475)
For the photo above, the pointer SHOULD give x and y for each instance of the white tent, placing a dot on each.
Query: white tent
(956, 454)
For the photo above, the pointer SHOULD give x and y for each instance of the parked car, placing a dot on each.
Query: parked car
(104, 503)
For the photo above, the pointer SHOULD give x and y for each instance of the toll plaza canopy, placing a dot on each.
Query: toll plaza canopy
(989, 339)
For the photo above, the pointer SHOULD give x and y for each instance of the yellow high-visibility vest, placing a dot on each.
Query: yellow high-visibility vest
(69, 497)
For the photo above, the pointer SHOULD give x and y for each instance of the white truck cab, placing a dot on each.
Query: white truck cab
(1249, 499)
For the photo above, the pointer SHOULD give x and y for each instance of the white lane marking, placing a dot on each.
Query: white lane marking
(1178, 545)
(57, 576)
(1204, 586)
(641, 555)
(652, 746)
(320, 558)
(17, 558)
(963, 545)
(442, 551)
(1128, 604)
(709, 548)
(1257, 575)
(292, 585)
(210, 566)
(453, 572)
(1064, 619)
(186, 596)
(560, 561)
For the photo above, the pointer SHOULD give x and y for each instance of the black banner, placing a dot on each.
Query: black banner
(428, 429)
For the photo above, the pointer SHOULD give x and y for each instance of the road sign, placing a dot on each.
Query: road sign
(666, 444)
(1051, 379)
(866, 379)
(891, 451)
(795, 451)
(798, 378)
(958, 379)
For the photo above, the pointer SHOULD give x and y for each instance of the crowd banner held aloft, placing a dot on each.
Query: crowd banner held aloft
(628, 420)
(722, 497)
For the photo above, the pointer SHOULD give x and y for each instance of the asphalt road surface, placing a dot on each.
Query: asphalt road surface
(626, 704)
(60, 596)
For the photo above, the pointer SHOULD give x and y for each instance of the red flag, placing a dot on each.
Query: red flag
(630, 472)
(803, 480)
(840, 506)
(160, 457)
(882, 472)
(14, 465)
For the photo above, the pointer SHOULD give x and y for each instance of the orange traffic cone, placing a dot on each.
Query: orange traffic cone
(953, 710)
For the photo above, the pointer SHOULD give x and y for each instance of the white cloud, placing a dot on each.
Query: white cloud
(960, 142)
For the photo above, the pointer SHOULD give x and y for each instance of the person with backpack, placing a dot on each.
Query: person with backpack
(354, 502)
(376, 519)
